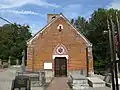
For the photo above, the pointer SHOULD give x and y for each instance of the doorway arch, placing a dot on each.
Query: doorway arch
(60, 59)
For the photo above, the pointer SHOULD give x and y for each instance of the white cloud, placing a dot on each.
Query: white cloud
(17, 3)
(71, 10)
(72, 7)
(22, 12)
(114, 4)
(75, 10)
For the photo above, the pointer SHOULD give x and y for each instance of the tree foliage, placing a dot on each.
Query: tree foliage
(94, 29)
(13, 40)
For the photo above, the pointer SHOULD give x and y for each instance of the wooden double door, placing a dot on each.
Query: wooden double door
(60, 66)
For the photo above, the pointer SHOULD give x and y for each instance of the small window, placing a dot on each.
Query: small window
(53, 17)
(60, 27)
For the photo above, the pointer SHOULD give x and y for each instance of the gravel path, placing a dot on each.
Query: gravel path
(59, 83)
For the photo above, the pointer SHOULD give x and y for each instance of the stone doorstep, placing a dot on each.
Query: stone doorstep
(98, 85)
(49, 79)
(79, 87)
(80, 80)
(78, 77)
(96, 82)
(37, 88)
(80, 84)
(39, 83)
(36, 83)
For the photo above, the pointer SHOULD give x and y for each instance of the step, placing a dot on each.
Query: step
(79, 87)
(78, 82)
(96, 82)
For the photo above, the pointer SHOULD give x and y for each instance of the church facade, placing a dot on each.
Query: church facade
(59, 48)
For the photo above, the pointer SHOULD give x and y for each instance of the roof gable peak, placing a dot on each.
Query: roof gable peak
(52, 21)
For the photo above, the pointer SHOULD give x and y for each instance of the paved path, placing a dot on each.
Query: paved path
(59, 83)
(6, 77)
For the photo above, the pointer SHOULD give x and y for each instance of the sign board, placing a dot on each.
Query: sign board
(47, 65)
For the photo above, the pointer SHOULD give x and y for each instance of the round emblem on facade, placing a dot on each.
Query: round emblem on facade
(60, 50)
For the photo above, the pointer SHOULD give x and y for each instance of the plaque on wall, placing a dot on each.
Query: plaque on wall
(47, 65)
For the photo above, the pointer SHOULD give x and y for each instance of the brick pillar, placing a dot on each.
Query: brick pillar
(90, 61)
(29, 57)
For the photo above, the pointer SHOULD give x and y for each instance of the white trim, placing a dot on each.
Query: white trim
(53, 57)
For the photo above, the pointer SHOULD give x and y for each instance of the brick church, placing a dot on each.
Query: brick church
(60, 49)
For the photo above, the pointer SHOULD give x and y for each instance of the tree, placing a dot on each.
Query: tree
(13, 40)
(97, 25)
(81, 24)
(94, 29)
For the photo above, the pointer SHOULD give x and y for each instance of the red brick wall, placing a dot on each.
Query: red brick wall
(46, 41)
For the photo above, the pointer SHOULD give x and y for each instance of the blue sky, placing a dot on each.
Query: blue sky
(34, 12)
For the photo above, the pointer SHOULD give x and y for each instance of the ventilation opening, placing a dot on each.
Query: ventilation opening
(53, 17)
(60, 27)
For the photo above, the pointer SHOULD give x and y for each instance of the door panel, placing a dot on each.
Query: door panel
(60, 66)
(57, 67)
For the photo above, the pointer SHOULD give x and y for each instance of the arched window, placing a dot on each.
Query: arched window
(60, 27)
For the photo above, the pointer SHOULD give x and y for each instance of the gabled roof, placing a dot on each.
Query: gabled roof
(52, 21)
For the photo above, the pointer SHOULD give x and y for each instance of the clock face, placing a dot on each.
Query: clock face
(60, 50)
